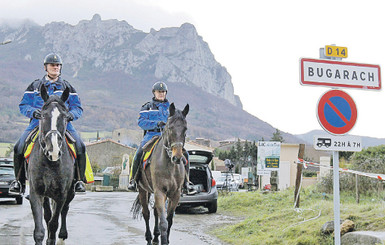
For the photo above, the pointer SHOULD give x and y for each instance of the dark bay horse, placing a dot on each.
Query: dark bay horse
(51, 170)
(164, 177)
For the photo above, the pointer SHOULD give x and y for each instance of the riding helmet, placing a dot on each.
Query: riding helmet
(52, 58)
(160, 86)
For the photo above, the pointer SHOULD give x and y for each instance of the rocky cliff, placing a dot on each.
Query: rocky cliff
(113, 66)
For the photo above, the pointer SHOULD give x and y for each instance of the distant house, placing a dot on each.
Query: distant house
(127, 136)
(228, 143)
(107, 153)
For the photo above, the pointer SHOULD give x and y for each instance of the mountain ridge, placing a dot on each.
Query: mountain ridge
(113, 66)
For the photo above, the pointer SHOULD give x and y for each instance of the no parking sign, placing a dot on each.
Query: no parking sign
(336, 112)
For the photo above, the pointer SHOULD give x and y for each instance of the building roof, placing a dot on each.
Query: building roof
(106, 141)
(191, 145)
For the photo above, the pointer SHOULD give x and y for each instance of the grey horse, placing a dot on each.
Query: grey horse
(164, 177)
(51, 170)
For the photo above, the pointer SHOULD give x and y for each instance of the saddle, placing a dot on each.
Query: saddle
(148, 149)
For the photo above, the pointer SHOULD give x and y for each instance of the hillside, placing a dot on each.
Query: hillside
(113, 66)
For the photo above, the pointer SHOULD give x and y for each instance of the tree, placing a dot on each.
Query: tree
(9, 150)
(277, 136)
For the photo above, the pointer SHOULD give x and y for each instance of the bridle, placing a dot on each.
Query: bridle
(44, 138)
(167, 145)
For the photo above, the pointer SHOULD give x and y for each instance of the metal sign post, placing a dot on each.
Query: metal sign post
(336, 198)
(336, 110)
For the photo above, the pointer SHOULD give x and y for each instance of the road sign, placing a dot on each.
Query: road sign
(337, 143)
(336, 112)
(336, 51)
(336, 74)
(268, 157)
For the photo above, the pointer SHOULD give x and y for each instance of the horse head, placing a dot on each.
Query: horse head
(53, 123)
(175, 133)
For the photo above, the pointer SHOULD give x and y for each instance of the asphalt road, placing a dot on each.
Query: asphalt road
(104, 218)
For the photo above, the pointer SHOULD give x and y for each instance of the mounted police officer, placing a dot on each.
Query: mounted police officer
(30, 106)
(152, 119)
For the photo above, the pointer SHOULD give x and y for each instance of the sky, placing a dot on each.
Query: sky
(260, 43)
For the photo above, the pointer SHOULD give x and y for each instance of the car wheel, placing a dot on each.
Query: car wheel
(19, 200)
(212, 206)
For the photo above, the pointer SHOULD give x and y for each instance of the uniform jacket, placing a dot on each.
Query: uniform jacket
(32, 100)
(150, 114)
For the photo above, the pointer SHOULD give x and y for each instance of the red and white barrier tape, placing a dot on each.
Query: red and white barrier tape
(371, 175)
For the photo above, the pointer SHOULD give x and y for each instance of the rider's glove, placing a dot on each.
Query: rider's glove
(37, 114)
(70, 117)
(161, 124)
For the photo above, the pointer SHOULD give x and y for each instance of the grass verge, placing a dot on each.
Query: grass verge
(271, 218)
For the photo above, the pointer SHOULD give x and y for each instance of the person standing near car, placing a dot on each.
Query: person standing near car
(152, 119)
(30, 106)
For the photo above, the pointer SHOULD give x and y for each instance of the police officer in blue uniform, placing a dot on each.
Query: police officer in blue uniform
(30, 106)
(152, 118)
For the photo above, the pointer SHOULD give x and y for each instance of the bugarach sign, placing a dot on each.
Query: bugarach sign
(333, 73)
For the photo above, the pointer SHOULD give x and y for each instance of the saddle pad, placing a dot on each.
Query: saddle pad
(89, 174)
(148, 154)
(30, 146)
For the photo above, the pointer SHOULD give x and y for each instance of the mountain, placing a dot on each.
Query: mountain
(366, 141)
(113, 66)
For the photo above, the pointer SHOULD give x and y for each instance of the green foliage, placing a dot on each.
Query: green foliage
(271, 219)
(9, 150)
(242, 154)
(277, 136)
(370, 160)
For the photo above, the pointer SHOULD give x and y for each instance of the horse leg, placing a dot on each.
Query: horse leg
(37, 212)
(63, 234)
(172, 204)
(47, 210)
(156, 228)
(143, 199)
(53, 224)
(160, 200)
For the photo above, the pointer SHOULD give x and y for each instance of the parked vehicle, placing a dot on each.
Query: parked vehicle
(227, 182)
(7, 175)
(238, 179)
(204, 183)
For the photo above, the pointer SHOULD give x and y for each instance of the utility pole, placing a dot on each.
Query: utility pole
(301, 153)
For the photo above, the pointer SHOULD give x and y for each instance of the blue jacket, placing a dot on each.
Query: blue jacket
(32, 100)
(151, 113)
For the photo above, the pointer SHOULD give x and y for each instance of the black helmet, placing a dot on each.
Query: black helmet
(160, 86)
(52, 58)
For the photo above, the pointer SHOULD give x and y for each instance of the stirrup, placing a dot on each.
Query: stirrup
(16, 187)
(132, 186)
(82, 186)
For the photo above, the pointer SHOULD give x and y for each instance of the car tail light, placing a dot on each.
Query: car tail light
(213, 183)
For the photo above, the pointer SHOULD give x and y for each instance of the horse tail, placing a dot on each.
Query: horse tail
(136, 208)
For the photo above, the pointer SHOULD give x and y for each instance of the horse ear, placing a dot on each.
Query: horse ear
(43, 93)
(185, 110)
(172, 109)
(65, 94)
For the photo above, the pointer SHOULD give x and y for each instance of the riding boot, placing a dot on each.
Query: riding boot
(81, 169)
(135, 173)
(18, 186)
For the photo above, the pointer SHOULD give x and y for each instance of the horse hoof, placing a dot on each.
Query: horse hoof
(155, 243)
